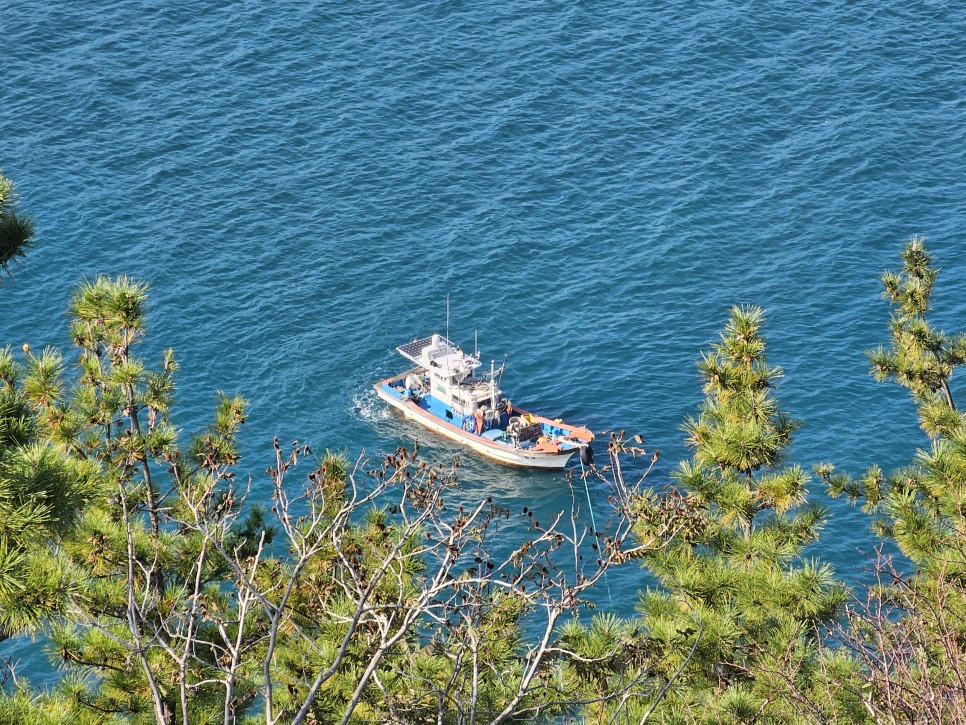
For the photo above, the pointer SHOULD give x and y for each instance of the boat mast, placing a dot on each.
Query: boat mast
(492, 384)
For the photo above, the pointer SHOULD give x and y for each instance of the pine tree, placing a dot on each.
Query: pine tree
(16, 228)
(920, 357)
(155, 577)
(738, 610)
(920, 507)
(916, 620)
(42, 490)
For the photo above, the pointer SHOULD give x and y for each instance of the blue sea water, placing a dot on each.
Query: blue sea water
(592, 184)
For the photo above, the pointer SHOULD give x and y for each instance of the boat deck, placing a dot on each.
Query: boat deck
(541, 430)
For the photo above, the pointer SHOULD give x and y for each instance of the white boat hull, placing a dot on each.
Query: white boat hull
(496, 451)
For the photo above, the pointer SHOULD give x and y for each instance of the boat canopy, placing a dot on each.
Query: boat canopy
(438, 353)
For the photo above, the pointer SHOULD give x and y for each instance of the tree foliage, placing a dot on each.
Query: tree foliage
(360, 595)
(16, 228)
(737, 609)
(920, 507)
(910, 631)
(360, 591)
(43, 490)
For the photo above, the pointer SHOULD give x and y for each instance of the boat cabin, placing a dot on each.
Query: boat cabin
(449, 376)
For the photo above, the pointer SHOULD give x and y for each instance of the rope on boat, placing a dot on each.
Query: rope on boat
(593, 523)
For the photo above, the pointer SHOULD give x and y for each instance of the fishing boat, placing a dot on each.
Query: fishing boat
(446, 393)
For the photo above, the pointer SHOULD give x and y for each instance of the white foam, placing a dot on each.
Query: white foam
(370, 408)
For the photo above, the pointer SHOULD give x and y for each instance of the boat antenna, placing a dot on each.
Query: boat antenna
(476, 347)
(447, 318)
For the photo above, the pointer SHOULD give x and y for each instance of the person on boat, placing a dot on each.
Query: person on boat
(479, 421)
(507, 413)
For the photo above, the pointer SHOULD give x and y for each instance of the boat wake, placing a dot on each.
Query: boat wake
(368, 407)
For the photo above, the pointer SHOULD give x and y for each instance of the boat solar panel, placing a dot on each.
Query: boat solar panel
(414, 349)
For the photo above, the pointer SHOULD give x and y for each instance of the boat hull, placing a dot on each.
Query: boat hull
(494, 450)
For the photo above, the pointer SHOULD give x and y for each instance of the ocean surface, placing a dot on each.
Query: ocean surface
(593, 185)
